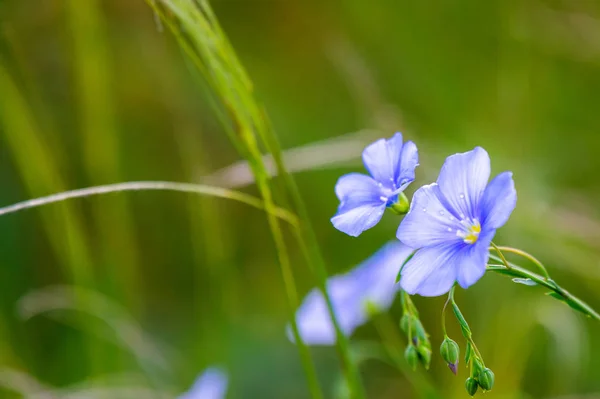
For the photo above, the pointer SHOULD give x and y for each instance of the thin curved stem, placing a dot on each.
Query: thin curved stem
(525, 255)
(150, 185)
(466, 330)
(444, 315)
(500, 254)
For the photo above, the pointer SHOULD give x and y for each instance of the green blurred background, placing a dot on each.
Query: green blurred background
(97, 91)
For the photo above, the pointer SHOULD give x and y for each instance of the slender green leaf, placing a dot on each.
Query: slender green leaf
(524, 281)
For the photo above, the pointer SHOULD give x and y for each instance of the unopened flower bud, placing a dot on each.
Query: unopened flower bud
(405, 322)
(471, 386)
(412, 356)
(419, 331)
(424, 355)
(486, 379)
(450, 353)
(453, 367)
(477, 367)
(413, 327)
(401, 206)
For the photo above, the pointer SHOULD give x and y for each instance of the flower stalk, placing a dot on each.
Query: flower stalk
(480, 376)
(556, 290)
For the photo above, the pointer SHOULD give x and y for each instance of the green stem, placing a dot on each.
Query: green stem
(525, 255)
(407, 304)
(501, 255)
(517, 271)
(306, 237)
(444, 314)
(408, 307)
(466, 330)
(308, 241)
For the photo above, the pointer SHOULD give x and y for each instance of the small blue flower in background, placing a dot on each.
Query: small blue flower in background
(211, 384)
(371, 284)
(363, 198)
(453, 222)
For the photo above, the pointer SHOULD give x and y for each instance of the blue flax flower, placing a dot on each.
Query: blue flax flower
(211, 384)
(453, 222)
(363, 198)
(371, 285)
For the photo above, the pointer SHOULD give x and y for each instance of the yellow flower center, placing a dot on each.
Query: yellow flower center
(471, 231)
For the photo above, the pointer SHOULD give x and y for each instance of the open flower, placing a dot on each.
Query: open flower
(211, 384)
(453, 222)
(354, 295)
(363, 198)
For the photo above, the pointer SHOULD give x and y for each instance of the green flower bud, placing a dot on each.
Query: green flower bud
(405, 322)
(471, 386)
(400, 207)
(412, 356)
(413, 327)
(486, 379)
(477, 367)
(424, 355)
(418, 331)
(450, 353)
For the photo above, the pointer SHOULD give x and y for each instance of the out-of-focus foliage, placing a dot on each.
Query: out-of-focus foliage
(96, 91)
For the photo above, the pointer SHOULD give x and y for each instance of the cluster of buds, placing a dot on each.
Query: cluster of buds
(481, 376)
(418, 349)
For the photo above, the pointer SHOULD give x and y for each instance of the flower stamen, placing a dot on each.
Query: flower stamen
(471, 231)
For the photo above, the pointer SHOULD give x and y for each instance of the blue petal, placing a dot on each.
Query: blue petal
(471, 261)
(499, 200)
(463, 179)
(314, 323)
(428, 221)
(212, 384)
(376, 277)
(409, 160)
(372, 282)
(357, 185)
(432, 271)
(382, 160)
(313, 319)
(354, 219)
(362, 204)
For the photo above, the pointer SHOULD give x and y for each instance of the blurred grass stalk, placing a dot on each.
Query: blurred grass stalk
(100, 145)
(37, 166)
(38, 169)
(199, 34)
